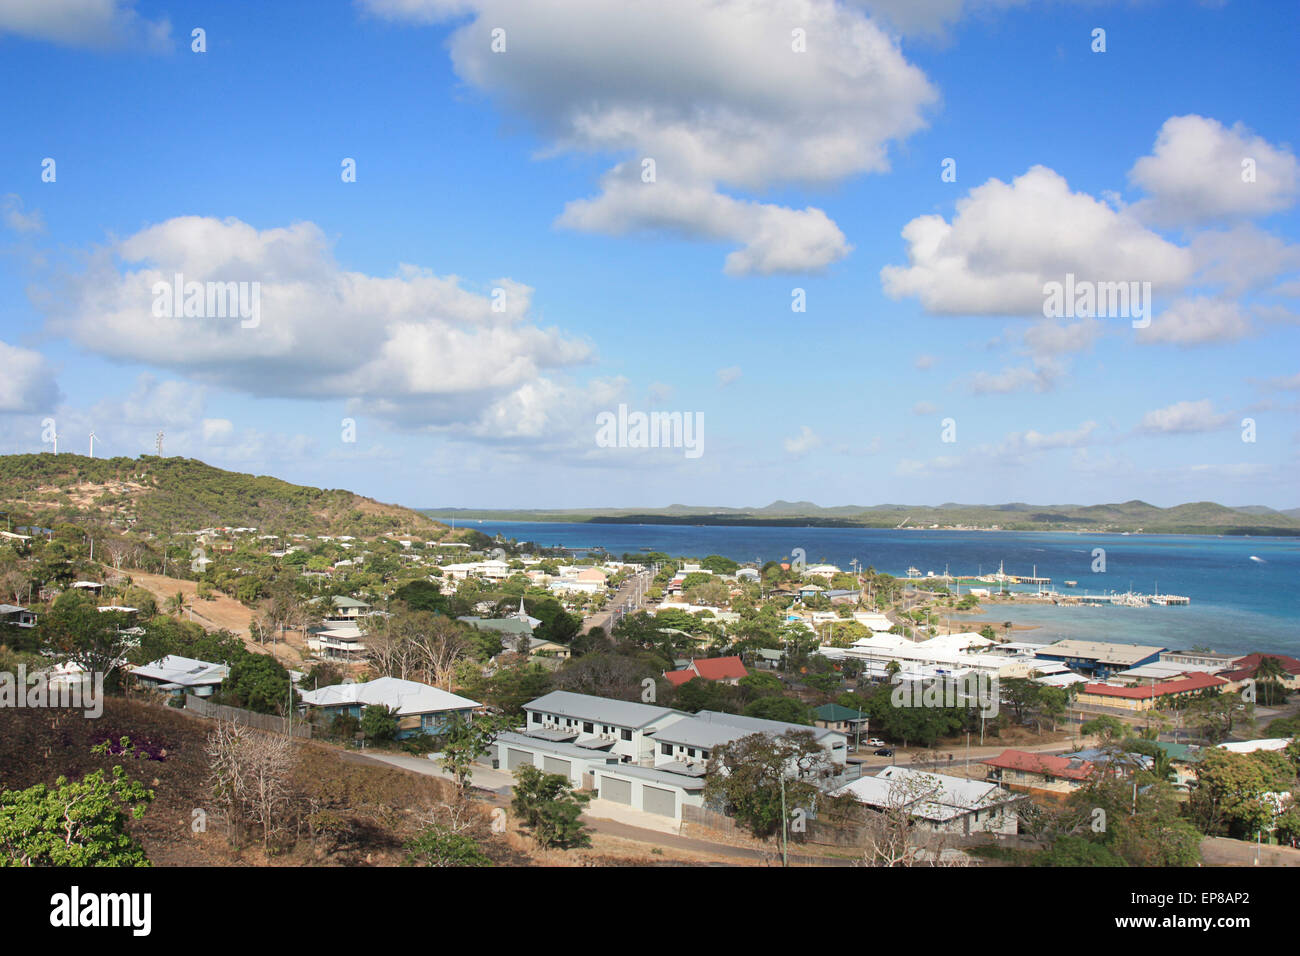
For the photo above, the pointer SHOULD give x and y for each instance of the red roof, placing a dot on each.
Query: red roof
(1191, 682)
(1248, 665)
(710, 668)
(1046, 764)
(720, 668)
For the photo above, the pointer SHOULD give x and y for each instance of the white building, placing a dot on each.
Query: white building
(938, 802)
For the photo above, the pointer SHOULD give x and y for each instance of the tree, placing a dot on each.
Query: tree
(260, 683)
(75, 630)
(1233, 794)
(547, 805)
(466, 741)
(790, 710)
(73, 824)
(437, 846)
(249, 777)
(747, 776)
(379, 723)
(1108, 728)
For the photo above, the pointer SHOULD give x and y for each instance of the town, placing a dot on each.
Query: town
(790, 711)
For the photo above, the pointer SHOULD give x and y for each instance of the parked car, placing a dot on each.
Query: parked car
(875, 742)
(884, 752)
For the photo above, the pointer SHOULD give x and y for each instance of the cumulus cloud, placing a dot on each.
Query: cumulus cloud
(1243, 258)
(1021, 443)
(715, 94)
(84, 23)
(1195, 174)
(802, 443)
(27, 383)
(1182, 418)
(413, 347)
(1040, 376)
(1197, 321)
(1006, 241)
(11, 211)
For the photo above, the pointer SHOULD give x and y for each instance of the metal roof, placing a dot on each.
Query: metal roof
(601, 710)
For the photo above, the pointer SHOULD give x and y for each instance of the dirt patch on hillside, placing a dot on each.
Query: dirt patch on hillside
(221, 612)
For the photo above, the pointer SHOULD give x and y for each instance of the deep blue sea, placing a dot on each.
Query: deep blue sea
(1245, 591)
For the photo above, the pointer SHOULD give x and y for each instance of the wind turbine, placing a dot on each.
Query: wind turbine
(92, 444)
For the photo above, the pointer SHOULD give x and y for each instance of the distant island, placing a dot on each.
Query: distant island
(1132, 517)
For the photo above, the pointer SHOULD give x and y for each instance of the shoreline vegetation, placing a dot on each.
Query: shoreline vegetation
(1133, 517)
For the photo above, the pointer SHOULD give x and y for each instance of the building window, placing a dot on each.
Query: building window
(666, 749)
(588, 727)
(690, 751)
(537, 718)
(627, 735)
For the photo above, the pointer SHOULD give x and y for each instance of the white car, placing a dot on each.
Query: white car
(875, 742)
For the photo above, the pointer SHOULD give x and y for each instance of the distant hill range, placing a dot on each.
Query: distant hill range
(1201, 517)
(152, 494)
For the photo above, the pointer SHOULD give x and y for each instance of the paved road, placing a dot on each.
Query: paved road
(486, 781)
(626, 598)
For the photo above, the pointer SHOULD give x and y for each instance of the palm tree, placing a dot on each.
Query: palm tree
(175, 605)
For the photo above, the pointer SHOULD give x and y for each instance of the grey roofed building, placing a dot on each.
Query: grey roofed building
(601, 710)
(558, 747)
(710, 728)
(687, 779)
(932, 796)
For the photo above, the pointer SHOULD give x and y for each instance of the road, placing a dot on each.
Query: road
(628, 598)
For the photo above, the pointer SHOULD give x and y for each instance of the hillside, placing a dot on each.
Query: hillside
(1202, 517)
(155, 494)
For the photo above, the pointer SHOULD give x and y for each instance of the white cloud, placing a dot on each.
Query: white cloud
(713, 93)
(776, 239)
(728, 375)
(924, 362)
(1040, 375)
(1021, 443)
(1183, 417)
(1194, 174)
(413, 347)
(27, 382)
(1006, 241)
(11, 209)
(924, 408)
(1197, 321)
(802, 443)
(1048, 338)
(217, 429)
(1242, 258)
(84, 23)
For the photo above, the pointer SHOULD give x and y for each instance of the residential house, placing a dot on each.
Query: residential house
(16, 616)
(178, 675)
(837, 717)
(419, 707)
(1041, 774)
(938, 802)
(725, 670)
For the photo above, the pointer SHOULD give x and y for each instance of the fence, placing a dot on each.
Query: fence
(205, 708)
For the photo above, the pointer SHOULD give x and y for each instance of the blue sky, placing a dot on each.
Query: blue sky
(776, 169)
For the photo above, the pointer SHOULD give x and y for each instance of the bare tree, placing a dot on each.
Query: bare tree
(893, 838)
(249, 777)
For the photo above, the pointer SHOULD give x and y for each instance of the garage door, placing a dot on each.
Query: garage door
(556, 765)
(518, 758)
(620, 791)
(656, 800)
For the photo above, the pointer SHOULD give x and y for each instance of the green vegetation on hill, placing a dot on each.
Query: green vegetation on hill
(1202, 517)
(157, 494)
